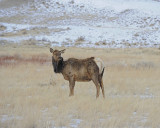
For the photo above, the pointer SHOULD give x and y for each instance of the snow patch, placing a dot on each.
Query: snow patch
(5, 118)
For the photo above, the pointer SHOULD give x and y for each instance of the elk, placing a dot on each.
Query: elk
(79, 70)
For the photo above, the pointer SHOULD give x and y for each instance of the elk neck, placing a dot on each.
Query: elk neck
(58, 66)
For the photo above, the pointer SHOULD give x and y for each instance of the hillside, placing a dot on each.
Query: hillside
(83, 23)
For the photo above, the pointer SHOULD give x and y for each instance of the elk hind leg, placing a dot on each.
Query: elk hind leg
(102, 86)
(95, 81)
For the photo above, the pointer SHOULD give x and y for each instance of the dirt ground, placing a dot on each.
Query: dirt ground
(33, 96)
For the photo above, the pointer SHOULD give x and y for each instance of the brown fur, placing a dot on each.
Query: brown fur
(77, 70)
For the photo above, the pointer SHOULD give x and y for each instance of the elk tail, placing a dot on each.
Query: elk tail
(102, 72)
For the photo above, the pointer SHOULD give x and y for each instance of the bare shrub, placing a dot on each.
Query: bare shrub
(2, 28)
(80, 39)
(52, 81)
(143, 64)
(6, 60)
(97, 43)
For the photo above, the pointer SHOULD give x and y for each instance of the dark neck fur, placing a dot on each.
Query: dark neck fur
(58, 67)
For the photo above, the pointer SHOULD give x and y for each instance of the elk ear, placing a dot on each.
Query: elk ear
(62, 51)
(51, 50)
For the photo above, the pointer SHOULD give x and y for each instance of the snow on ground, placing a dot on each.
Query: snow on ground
(84, 23)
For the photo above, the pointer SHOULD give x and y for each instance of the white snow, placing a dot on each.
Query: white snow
(75, 123)
(5, 118)
(148, 6)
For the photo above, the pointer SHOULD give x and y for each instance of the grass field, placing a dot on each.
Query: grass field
(33, 96)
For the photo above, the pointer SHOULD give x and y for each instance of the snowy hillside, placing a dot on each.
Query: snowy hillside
(85, 23)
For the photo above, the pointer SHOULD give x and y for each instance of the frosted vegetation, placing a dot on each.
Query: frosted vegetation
(83, 23)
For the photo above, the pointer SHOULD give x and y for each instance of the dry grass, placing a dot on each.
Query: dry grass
(32, 96)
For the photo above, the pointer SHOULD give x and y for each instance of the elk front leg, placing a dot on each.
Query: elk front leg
(71, 86)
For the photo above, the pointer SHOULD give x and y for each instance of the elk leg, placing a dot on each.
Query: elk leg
(101, 85)
(95, 81)
(71, 86)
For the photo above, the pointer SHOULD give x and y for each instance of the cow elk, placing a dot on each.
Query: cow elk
(79, 70)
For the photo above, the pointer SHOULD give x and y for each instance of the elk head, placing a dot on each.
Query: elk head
(57, 60)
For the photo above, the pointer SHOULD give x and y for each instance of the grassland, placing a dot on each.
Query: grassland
(32, 96)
